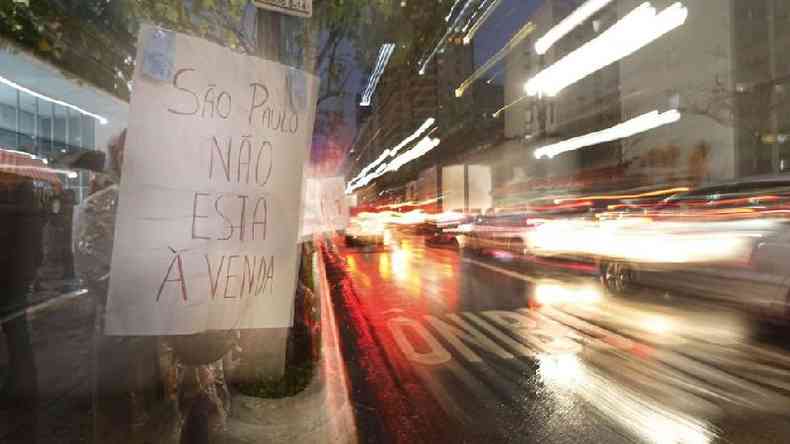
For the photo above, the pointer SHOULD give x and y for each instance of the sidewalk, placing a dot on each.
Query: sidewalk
(62, 330)
(320, 414)
(61, 334)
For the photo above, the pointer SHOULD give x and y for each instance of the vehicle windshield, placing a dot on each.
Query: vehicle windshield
(394, 221)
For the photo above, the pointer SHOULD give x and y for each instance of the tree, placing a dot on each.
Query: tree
(94, 40)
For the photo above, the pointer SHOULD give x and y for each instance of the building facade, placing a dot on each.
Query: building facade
(718, 70)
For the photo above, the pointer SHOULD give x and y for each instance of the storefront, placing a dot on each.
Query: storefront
(52, 116)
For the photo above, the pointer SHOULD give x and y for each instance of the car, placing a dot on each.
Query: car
(437, 234)
(365, 229)
(748, 216)
(504, 232)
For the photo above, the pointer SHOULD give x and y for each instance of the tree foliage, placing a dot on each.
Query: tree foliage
(94, 40)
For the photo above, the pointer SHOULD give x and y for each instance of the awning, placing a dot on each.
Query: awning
(22, 164)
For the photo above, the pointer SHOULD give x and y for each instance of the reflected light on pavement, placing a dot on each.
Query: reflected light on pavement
(657, 325)
(563, 370)
(352, 263)
(566, 373)
(553, 294)
(384, 266)
(400, 263)
(667, 430)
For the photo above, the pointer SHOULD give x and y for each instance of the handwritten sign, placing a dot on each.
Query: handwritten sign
(210, 197)
(325, 205)
(300, 8)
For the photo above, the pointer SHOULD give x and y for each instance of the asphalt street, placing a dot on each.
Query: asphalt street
(445, 346)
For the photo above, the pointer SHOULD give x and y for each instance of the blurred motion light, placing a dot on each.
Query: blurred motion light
(514, 41)
(568, 24)
(564, 369)
(552, 294)
(483, 18)
(18, 87)
(450, 29)
(379, 166)
(381, 63)
(425, 145)
(645, 122)
(657, 325)
(631, 33)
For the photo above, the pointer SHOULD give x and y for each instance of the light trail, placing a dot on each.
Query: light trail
(568, 24)
(517, 38)
(483, 18)
(18, 87)
(636, 30)
(379, 166)
(643, 123)
(381, 63)
(443, 40)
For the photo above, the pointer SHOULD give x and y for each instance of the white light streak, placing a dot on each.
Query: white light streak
(452, 8)
(381, 63)
(424, 145)
(379, 166)
(443, 40)
(18, 87)
(568, 24)
(14, 167)
(633, 32)
(517, 38)
(645, 122)
(475, 22)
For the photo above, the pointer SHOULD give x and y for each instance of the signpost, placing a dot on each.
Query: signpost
(299, 8)
(210, 198)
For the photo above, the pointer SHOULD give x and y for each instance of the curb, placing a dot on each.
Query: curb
(320, 414)
(43, 305)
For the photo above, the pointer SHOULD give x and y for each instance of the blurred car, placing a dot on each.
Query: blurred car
(365, 229)
(436, 235)
(754, 273)
(500, 232)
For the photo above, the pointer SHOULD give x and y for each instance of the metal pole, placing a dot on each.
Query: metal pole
(68, 124)
(774, 118)
(35, 130)
(18, 121)
(52, 129)
(264, 349)
(82, 135)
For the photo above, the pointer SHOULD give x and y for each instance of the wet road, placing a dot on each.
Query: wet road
(448, 347)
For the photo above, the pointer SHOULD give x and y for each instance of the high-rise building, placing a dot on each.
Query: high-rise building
(707, 76)
(405, 98)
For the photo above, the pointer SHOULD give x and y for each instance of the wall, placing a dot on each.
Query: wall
(684, 69)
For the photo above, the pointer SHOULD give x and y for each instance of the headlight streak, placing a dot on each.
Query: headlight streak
(636, 30)
(637, 125)
(381, 63)
(568, 24)
(379, 166)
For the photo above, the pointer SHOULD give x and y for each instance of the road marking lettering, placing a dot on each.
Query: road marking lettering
(437, 354)
(459, 337)
(499, 333)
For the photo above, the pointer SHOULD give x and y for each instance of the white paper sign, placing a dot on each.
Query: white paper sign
(325, 205)
(300, 8)
(209, 205)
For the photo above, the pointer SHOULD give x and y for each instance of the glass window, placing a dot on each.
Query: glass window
(394, 221)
